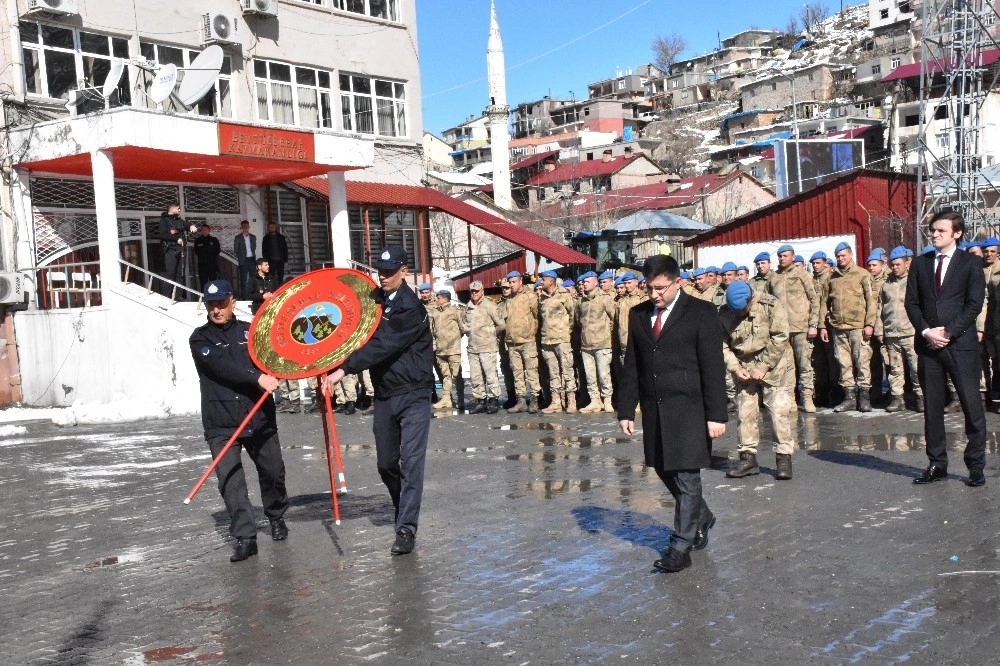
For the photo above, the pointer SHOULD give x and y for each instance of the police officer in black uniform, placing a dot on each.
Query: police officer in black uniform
(401, 357)
(230, 386)
(173, 238)
(207, 249)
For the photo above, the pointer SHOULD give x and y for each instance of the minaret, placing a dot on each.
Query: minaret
(498, 114)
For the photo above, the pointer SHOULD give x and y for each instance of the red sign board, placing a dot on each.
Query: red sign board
(266, 143)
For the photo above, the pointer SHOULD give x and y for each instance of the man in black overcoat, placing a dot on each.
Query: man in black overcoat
(944, 294)
(674, 369)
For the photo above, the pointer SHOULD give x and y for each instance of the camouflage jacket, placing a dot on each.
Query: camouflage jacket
(848, 303)
(557, 312)
(796, 292)
(446, 326)
(483, 323)
(762, 283)
(622, 307)
(890, 315)
(521, 317)
(759, 340)
(707, 295)
(596, 314)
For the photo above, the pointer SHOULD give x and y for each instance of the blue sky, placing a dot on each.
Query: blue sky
(548, 49)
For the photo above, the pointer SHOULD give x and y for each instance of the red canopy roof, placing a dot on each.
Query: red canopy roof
(581, 170)
(912, 70)
(410, 196)
(532, 160)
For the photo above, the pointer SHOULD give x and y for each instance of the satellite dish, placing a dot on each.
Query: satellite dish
(200, 76)
(114, 76)
(163, 83)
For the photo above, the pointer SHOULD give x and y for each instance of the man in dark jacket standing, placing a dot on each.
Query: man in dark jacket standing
(274, 248)
(230, 386)
(245, 251)
(401, 357)
(675, 369)
(207, 249)
(173, 238)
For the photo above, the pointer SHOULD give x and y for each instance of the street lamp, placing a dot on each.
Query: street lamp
(795, 130)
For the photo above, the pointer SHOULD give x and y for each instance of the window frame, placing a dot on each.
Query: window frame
(293, 82)
(399, 105)
(393, 8)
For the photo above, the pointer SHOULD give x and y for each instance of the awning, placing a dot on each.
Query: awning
(934, 67)
(411, 196)
(533, 160)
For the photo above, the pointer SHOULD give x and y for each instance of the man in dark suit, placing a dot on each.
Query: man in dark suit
(944, 294)
(245, 251)
(674, 369)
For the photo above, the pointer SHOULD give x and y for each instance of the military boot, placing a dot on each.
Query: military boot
(480, 407)
(288, 407)
(783, 463)
(533, 404)
(849, 404)
(554, 406)
(747, 466)
(312, 407)
(918, 404)
(594, 407)
(492, 405)
(349, 408)
(864, 404)
(808, 406)
(608, 407)
(443, 403)
(519, 406)
(571, 403)
(895, 405)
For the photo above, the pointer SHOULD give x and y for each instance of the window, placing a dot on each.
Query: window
(904, 7)
(383, 9)
(360, 96)
(883, 14)
(58, 60)
(774, 86)
(217, 102)
(621, 85)
(876, 69)
(293, 95)
(894, 63)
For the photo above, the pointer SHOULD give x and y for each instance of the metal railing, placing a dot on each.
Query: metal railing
(169, 288)
(72, 284)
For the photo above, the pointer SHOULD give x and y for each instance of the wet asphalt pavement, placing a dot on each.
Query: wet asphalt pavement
(535, 546)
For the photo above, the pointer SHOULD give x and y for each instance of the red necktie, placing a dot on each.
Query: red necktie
(658, 326)
(937, 273)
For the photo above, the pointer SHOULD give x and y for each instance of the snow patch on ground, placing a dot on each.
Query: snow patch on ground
(11, 430)
(17, 414)
(119, 410)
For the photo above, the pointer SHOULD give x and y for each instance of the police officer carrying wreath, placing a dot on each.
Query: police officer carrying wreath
(230, 386)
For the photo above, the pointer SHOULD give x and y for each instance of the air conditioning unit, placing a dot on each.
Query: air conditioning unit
(260, 7)
(11, 288)
(51, 7)
(219, 29)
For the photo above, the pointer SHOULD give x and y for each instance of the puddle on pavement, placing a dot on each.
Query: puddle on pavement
(892, 442)
(115, 559)
(548, 457)
(552, 489)
(584, 442)
(472, 449)
(529, 426)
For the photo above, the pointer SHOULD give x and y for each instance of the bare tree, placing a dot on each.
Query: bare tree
(667, 49)
(793, 26)
(445, 239)
(813, 13)
(678, 150)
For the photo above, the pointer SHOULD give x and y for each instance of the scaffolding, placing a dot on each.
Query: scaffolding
(955, 85)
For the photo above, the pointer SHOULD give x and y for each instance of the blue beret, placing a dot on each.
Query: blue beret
(686, 275)
(992, 241)
(785, 248)
(878, 250)
(568, 283)
(738, 295)
(630, 275)
(743, 268)
(588, 274)
(443, 292)
(819, 254)
(640, 277)
(841, 247)
(899, 252)
(618, 281)
(763, 256)
(712, 269)
(798, 259)
(513, 274)
(698, 272)
(928, 249)
(607, 275)
(423, 286)
(876, 256)
(548, 274)
(728, 266)
(964, 245)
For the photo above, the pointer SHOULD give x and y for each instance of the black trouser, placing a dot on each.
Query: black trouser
(207, 272)
(963, 368)
(277, 271)
(265, 452)
(401, 425)
(247, 266)
(690, 509)
(173, 265)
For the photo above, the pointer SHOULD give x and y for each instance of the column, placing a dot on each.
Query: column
(103, 168)
(24, 222)
(340, 226)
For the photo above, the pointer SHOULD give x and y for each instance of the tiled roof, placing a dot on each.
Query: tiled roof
(532, 160)
(581, 170)
(411, 196)
(912, 70)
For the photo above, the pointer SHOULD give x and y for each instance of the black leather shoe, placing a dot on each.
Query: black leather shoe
(279, 531)
(243, 549)
(673, 561)
(931, 474)
(976, 478)
(701, 536)
(405, 540)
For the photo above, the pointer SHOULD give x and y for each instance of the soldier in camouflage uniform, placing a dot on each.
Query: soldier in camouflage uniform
(877, 269)
(607, 283)
(758, 356)
(446, 327)
(505, 369)
(847, 309)
(521, 326)
(482, 324)
(824, 360)
(743, 274)
(795, 290)
(346, 393)
(557, 317)
(989, 347)
(895, 331)
(761, 281)
(596, 314)
(704, 286)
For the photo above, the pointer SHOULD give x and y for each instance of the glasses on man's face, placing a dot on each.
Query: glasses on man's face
(660, 288)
